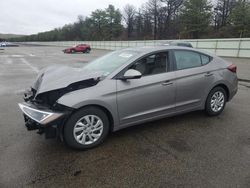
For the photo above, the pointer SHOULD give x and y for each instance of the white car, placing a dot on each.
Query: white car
(2, 44)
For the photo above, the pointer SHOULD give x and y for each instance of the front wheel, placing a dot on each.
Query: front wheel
(86, 128)
(216, 101)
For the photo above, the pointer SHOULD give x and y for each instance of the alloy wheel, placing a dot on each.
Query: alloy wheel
(217, 101)
(88, 129)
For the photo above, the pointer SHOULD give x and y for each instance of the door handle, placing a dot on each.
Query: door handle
(208, 74)
(167, 83)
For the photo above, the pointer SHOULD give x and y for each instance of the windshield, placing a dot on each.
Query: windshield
(111, 61)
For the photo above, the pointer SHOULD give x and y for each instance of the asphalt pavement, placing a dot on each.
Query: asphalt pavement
(190, 150)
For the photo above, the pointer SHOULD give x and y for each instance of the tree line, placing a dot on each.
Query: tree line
(157, 19)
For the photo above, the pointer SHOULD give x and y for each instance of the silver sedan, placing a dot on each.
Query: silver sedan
(125, 88)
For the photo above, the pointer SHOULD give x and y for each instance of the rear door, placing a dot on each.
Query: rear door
(193, 78)
(150, 96)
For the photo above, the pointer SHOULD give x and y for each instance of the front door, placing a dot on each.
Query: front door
(150, 96)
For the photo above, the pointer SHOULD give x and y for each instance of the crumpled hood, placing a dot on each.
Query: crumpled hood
(57, 77)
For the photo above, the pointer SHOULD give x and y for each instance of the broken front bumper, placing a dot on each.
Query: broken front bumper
(40, 118)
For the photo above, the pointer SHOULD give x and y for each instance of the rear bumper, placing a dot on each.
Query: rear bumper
(233, 93)
(233, 89)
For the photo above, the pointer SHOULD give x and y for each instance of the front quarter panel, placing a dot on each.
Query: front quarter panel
(103, 94)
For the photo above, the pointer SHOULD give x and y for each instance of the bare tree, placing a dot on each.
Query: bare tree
(139, 24)
(172, 8)
(153, 8)
(162, 22)
(129, 17)
(222, 12)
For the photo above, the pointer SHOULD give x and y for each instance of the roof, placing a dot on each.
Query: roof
(148, 49)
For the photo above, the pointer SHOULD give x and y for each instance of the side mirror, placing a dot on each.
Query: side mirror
(131, 74)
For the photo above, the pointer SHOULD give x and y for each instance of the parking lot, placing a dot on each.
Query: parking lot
(190, 150)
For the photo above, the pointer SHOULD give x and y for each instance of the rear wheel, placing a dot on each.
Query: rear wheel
(87, 50)
(216, 101)
(86, 128)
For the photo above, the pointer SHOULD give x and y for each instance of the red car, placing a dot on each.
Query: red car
(84, 48)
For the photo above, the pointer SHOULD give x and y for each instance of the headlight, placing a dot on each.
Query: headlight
(40, 116)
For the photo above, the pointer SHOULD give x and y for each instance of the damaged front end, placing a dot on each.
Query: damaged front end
(41, 115)
(43, 119)
(41, 110)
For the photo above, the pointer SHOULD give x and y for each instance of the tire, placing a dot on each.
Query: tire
(77, 125)
(87, 51)
(72, 51)
(216, 101)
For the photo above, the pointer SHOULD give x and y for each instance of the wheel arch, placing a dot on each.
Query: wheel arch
(104, 109)
(219, 84)
(224, 86)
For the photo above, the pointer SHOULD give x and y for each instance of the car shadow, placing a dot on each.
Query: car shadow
(129, 144)
(165, 122)
(175, 122)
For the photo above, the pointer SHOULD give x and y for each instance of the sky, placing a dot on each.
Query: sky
(33, 16)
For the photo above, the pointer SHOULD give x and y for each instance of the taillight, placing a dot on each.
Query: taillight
(232, 68)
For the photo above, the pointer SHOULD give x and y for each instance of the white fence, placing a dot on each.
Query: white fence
(222, 47)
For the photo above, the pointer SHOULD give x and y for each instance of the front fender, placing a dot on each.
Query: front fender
(99, 95)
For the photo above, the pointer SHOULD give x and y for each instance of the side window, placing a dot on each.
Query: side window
(187, 59)
(153, 64)
(205, 59)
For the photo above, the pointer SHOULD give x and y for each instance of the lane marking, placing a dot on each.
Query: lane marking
(29, 65)
(16, 55)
